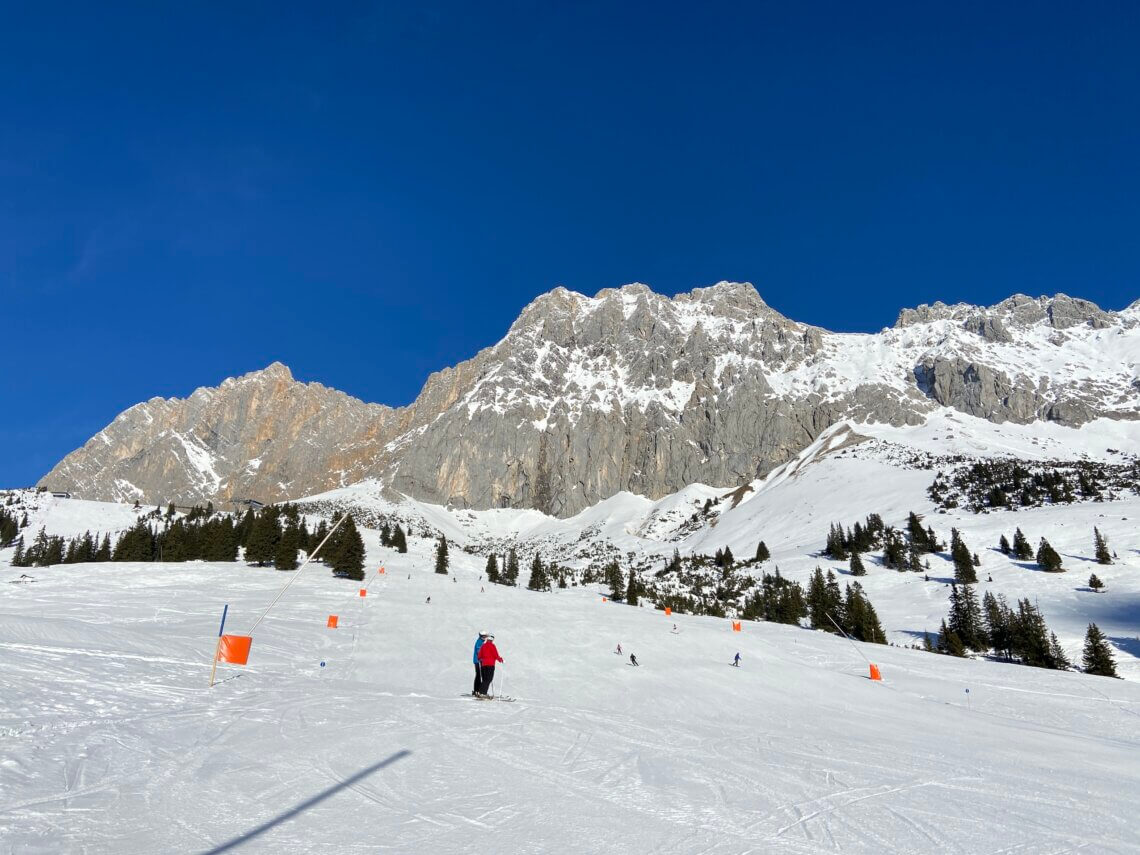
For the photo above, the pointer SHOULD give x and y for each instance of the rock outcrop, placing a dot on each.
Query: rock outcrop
(627, 390)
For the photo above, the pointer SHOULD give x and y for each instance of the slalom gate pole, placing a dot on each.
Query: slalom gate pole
(218, 647)
(295, 575)
(848, 637)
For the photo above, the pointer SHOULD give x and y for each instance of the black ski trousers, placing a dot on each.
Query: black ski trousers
(478, 679)
(488, 676)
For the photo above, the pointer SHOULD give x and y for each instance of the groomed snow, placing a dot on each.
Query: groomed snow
(111, 741)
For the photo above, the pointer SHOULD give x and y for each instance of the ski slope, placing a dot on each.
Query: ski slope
(110, 740)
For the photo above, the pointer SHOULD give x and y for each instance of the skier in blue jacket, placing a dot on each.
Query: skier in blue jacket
(475, 658)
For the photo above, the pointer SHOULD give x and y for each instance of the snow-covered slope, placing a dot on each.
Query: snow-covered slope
(850, 470)
(110, 741)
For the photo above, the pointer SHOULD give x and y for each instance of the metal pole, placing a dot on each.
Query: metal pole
(298, 573)
(218, 648)
(848, 637)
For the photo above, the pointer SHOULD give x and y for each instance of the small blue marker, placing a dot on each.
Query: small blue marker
(322, 663)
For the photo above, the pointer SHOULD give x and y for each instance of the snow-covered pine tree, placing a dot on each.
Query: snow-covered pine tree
(1003, 545)
(856, 565)
(762, 553)
(1095, 583)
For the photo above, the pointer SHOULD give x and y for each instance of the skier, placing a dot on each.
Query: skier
(475, 658)
(488, 656)
(675, 630)
(633, 660)
(427, 602)
(736, 661)
(618, 651)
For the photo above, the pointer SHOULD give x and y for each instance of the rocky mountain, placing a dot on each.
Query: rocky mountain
(627, 390)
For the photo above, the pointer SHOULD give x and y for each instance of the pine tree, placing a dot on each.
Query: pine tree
(442, 562)
(632, 590)
(998, 624)
(1003, 545)
(511, 574)
(964, 573)
(856, 566)
(492, 569)
(824, 601)
(347, 560)
(762, 553)
(1097, 657)
(1048, 559)
(966, 618)
(949, 643)
(539, 580)
(285, 557)
(18, 555)
(385, 535)
(103, 553)
(728, 558)
(616, 582)
(835, 547)
(1095, 583)
(263, 539)
(1100, 546)
(399, 540)
(1021, 548)
(860, 620)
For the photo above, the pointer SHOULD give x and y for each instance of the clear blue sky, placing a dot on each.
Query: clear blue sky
(371, 191)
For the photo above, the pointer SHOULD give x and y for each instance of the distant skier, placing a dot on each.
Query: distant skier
(427, 601)
(475, 658)
(736, 661)
(675, 631)
(633, 660)
(618, 651)
(488, 656)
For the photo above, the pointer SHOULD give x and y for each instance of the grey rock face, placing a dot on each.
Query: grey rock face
(628, 390)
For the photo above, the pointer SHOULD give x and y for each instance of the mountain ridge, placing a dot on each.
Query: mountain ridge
(627, 390)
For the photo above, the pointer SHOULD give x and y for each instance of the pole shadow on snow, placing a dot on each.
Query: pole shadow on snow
(308, 803)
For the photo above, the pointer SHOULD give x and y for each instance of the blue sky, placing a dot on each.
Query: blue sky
(371, 191)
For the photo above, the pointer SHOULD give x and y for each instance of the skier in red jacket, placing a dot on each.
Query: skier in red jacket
(488, 656)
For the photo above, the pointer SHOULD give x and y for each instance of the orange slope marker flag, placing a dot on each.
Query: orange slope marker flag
(364, 592)
(333, 621)
(668, 611)
(234, 649)
(875, 675)
(736, 626)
